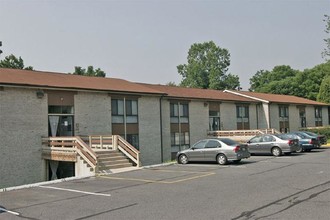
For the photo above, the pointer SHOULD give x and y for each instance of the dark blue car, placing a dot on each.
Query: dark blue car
(306, 142)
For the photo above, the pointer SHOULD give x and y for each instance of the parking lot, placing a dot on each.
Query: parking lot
(261, 187)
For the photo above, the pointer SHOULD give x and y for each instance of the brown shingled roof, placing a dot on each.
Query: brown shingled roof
(193, 93)
(280, 98)
(67, 81)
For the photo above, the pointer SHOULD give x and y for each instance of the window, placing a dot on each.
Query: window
(54, 109)
(174, 113)
(179, 113)
(131, 111)
(214, 120)
(212, 144)
(302, 116)
(318, 116)
(184, 114)
(180, 138)
(200, 144)
(242, 117)
(284, 118)
(133, 139)
(117, 110)
(284, 111)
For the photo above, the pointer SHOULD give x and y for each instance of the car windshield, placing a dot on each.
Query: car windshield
(310, 133)
(228, 141)
(282, 136)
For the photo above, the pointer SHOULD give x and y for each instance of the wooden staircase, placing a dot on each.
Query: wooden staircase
(112, 159)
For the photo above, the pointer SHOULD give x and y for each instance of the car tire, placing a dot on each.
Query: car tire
(183, 159)
(222, 159)
(276, 151)
(300, 149)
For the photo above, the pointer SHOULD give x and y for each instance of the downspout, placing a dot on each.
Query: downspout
(161, 129)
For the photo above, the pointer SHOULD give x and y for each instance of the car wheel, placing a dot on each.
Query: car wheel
(183, 159)
(300, 149)
(236, 161)
(276, 151)
(222, 159)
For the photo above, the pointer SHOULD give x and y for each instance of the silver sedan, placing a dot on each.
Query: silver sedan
(276, 144)
(220, 150)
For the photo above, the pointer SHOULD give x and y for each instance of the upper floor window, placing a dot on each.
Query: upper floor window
(318, 116)
(124, 108)
(179, 112)
(242, 111)
(283, 111)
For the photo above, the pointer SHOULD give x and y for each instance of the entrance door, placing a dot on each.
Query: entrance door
(60, 125)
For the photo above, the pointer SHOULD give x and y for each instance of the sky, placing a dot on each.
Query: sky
(145, 40)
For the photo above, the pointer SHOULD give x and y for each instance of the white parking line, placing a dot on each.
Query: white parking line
(73, 190)
(10, 212)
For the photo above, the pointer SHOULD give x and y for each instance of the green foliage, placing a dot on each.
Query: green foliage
(171, 83)
(207, 67)
(324, 94)
(89, 72)
(326, 51)
(13, 62)
(287, 81)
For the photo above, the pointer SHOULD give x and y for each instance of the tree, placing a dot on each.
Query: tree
(326, 51)
(324, 94)
(14, 63)
(89, 72)
(265, 81)
(207, 67)
(171, 83)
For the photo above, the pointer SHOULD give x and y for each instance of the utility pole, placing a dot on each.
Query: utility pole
(0, 46)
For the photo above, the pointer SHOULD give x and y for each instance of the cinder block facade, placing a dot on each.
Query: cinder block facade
(28, 100)
(23, 121)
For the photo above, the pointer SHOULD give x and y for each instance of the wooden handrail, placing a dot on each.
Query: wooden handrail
(130, 151)
(74, 143)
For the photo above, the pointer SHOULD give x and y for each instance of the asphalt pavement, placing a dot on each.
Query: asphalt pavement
(261, 187)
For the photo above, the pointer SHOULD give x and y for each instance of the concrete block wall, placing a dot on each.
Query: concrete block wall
(253, 116)
(92, 113)
(228, 116)
(23, 121)
(274, 116)
(166, 130)
(294, 118)
(149, 130)
(198, 121)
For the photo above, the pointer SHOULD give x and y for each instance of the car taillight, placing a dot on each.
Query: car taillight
(311, 141)
(290, 142)
(237, 148)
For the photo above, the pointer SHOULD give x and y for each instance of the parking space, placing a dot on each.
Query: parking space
(165, 192)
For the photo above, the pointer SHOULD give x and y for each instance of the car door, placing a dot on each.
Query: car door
(211, 150)
(197, 151)
(255, 144)
(267, 143)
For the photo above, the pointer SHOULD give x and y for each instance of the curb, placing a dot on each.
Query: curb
(80, 177)
(44, 183)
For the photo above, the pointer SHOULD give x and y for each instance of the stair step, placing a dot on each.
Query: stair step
(115, 166)
(101, 163)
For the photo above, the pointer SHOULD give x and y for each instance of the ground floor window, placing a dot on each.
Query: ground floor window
(302, 116)
(133, 139)
(214, 121)
(179, 141)
(318, 117)
(60, 169)
(242, 117)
